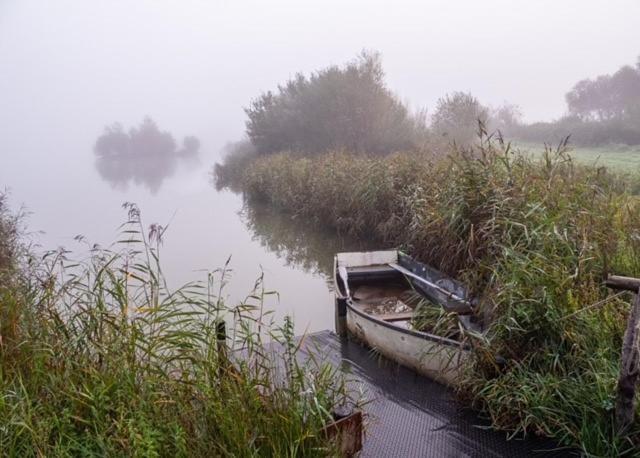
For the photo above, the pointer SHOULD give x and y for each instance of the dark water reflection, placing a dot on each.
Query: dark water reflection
(301, 244)
(143, 156)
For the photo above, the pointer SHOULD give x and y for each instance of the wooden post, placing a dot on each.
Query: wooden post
(341, 317)
(630, 358)
(221, 337)
(625, 403)
(346, 432)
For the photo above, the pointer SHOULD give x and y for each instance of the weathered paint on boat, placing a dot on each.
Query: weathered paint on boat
(436, 357)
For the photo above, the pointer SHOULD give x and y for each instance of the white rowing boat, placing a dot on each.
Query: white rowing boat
(372, 303)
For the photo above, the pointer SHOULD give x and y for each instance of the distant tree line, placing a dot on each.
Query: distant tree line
(607, 97)
(145, 140)
(144, 155)
(601, 111)
(351, 108)
(347, 108)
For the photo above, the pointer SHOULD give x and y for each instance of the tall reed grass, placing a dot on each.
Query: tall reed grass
(101, 358)
(532, 237)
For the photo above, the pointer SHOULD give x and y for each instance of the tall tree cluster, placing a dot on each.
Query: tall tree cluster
(456, 117)
(607, 97)
(346, 107)
(144, 154)
(600, 111)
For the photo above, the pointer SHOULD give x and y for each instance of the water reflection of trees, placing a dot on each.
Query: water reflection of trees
(300, 243)
(144, 155)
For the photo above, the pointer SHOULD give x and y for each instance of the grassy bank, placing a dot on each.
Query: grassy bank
(620, 158)
(100, 358)
(533, 237)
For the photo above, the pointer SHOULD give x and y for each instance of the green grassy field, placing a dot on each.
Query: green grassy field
(619, 157)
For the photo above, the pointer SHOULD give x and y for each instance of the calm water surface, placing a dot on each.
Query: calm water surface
(205, 228)
(71, 68)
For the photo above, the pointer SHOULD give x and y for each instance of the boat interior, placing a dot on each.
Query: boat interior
(389, 286)
(383, 292)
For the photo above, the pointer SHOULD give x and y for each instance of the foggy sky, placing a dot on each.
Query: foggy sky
(193, 65)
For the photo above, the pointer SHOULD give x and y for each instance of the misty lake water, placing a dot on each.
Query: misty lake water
(205, 227)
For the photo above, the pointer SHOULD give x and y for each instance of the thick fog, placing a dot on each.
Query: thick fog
(194, 64)
(69, 69)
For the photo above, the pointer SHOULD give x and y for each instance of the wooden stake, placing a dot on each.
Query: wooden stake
(629, 370)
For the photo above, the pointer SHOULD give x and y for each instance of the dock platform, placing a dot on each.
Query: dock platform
(408, 415)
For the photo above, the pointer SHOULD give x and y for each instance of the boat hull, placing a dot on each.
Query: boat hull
(432, 356)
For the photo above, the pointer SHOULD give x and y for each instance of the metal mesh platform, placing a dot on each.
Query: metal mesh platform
(411, 416)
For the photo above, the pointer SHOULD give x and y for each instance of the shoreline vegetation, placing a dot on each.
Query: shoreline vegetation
(532, 235)
(99, 357)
